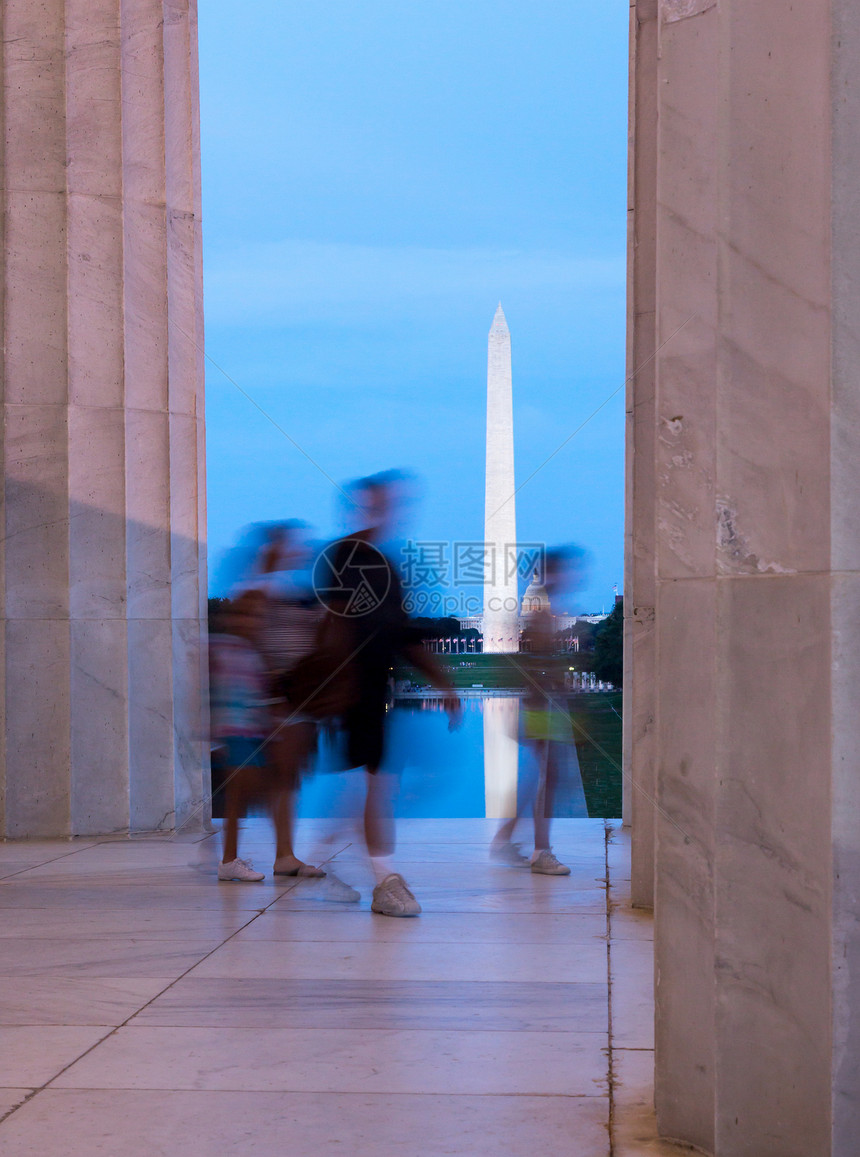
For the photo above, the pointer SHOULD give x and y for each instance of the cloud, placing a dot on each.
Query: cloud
(300, 282)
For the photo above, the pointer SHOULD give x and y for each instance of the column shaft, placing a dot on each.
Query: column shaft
(639, 581)
(103, 574)
(756, 448)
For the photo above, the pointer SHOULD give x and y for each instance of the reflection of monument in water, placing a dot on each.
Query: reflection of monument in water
(501, 755)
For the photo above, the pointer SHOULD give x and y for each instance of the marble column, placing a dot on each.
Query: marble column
(102, 571)
(755, 474)
(639, 582)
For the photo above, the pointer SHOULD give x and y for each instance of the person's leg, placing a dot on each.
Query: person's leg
(506, 831)
(288, 751)
(283, 810)
(365, 745)
(502, 847)
(541, 812)
(504, 850)
(379, 832)
(391, 896)
(283, 763)
(543, 861)
(232, 811)
(239, 786)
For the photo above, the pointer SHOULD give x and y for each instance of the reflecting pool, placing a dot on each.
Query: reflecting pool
(481, 769)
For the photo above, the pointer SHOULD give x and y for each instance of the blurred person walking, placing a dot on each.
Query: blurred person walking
(240, 723)
(360, 585)
(290, 622)
(546, 724)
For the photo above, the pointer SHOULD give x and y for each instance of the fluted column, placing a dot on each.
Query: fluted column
(755, 451)
(103, 564)
(639, 540)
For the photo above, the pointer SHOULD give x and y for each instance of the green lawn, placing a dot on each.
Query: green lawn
(465, 670)
(490, 670)
(597, 725)
(596, 718)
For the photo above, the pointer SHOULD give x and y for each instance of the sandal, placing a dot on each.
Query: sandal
(293, 866)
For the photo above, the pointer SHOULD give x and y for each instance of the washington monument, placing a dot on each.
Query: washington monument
(500, 523)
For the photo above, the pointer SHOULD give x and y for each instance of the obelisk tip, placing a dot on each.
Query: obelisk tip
(499, 321)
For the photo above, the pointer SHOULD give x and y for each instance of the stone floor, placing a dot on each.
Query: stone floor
(147, 1009)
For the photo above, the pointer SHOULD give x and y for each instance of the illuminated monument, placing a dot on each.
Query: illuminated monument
(500, 626)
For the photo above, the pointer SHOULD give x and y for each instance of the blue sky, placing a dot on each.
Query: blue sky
(376, 177)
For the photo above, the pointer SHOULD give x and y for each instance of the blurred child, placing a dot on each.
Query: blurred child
(290, 620)
(239, 722)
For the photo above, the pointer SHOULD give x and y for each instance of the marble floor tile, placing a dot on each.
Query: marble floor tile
(495, 1043)
(155, 851)
(121, 869)
(618, 850)
(117, 957)
(634, 1121)
(11, 1098)
(89, 876)
(40, 850)
(427, 853)
(351, 923)
(186, 835)
(492, 878)
(93, 1123)
(106, 923)
(632, 923)
(212, 896)
(109, 858)
(632, 970)
(567, 832)
(15, 867)
(586, 871)
(574, 845)
(381, 1004)
(445, 857)
(548, 895)
(31, 1055)
(405, 960)
(621, 894)
(346, 1061)
(65, 1000)
(148, 852)
(104, 855)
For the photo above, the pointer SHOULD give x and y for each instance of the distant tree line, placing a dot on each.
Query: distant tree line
(600, 644)
(608, 661)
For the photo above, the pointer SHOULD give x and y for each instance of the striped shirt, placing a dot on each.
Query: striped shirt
(289, 632)
(237, 684)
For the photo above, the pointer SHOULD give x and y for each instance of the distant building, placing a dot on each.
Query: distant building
(534, 599)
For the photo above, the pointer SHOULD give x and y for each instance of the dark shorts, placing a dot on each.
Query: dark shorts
(364, 725)
(239, 751)
(230, 754)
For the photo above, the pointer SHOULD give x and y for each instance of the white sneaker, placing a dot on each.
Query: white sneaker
(239, 870)
(338, 891)
(504, 852)
(393, 898)
(546, 864)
